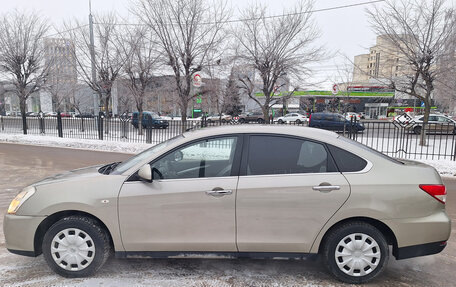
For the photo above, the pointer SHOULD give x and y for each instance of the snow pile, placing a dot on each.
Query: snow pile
(122, 147)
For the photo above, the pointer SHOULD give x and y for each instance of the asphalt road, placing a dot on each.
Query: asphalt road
(21, 165)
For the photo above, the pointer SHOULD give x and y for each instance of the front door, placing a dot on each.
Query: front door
(189, 206)
(288, 189)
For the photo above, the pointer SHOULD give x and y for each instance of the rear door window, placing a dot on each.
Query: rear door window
(268, 154)
(346, 161)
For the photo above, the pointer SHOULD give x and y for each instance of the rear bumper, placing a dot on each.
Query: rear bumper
(419, 250)
(420, 236)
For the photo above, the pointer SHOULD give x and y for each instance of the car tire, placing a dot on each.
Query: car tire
(209, 121)
(417, 130)
(360, 265)
(260, 121)
(298, 122)
(241, 121)
(280, 121)
(85, 233)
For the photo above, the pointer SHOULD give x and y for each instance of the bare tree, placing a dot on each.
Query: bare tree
(22, 53)
(417, 32)
(275, 49)
(187, 30)
(108, 55)
(344, 78)
(445, 88)
(141, 63)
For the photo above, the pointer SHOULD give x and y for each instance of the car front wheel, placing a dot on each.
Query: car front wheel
(355, 252)
(76, 246)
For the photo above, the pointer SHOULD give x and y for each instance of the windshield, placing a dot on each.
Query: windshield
(126, 165)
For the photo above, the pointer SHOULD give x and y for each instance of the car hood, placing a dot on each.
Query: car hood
(80, 172)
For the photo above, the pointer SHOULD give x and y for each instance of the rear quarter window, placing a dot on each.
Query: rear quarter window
(346, 161)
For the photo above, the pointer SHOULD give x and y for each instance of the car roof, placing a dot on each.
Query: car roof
(313, 133)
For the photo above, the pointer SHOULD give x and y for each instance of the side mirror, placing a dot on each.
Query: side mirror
(145, 173)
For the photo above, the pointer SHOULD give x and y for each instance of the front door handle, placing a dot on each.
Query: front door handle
(219, 192)
(326, 188)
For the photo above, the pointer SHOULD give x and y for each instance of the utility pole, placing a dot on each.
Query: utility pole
(96, 100)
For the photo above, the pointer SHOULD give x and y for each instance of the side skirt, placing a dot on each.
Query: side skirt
(209, 254)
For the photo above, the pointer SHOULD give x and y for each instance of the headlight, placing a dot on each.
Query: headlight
(20, 199)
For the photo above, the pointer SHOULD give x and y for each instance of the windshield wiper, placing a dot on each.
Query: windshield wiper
(108, 168)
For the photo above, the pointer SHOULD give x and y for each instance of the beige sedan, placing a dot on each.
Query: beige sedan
(237, 191)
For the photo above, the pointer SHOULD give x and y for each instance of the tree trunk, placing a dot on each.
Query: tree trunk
(427, 111)
(22, 105)
(265, 110)
(184, 117)
(82, 124)
(107, 115)
(140, 120)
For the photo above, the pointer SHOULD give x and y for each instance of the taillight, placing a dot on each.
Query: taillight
(438, 191)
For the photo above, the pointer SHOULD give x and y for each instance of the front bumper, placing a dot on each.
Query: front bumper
(20, 233)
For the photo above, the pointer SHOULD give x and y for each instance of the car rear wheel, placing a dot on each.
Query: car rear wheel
(298, 121)
(76, 246)
(260, 121)
(355, 252)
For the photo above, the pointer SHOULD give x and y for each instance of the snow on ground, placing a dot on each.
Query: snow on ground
(111, 146)
(444, 166)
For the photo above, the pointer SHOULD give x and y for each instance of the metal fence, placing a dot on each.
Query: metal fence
(392, 138)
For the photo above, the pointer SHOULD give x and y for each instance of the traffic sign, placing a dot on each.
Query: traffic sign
(197, 80)
(335, 89)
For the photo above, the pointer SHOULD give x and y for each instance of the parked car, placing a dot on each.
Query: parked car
(170, 117)
(222, 191)
(50, 114)
(216, 118)
(334, 122)
(149, 120)
(251, 117)
(84, 115)
(31, 114)
(350, 115)
(436, 124)
(65, 115)
(293, 118)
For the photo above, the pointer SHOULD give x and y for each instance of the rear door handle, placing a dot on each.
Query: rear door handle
(219, 192)
(326, 188)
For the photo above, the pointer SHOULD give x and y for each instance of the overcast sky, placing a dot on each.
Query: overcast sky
(345, 31)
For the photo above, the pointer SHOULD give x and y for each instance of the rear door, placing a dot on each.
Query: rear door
(288, 189)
